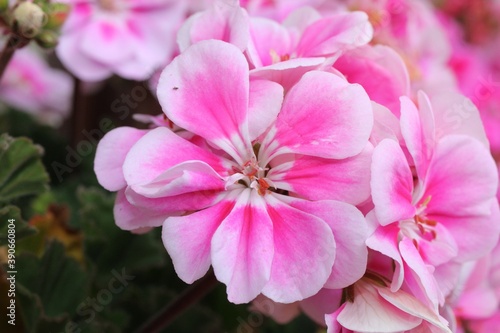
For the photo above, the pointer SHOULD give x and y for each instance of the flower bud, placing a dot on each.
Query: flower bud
(28, 19)
(47, 39)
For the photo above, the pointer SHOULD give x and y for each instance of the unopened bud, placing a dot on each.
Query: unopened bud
(47, 39)
(28, 19)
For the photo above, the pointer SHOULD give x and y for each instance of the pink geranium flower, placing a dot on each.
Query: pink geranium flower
(129, 38)
(371, 306)
(233, 188)
(437, 205)
(30, 85)
(281, 52)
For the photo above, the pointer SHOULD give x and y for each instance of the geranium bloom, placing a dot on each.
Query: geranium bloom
(30, 85)
(280, 52)
(372, 307)
(475, 300)
(125, 37)
(257, 238)
(425, 217)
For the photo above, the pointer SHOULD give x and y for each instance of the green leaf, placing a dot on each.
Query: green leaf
(58, 280)
(22, 229)
(30, 307)
(106, 245)
(22, 171)
(31, 311)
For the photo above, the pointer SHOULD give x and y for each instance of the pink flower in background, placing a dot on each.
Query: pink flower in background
(31, 85)
(307, 34)
(256, 238)
(474, 302)
(424, 216)
(373, 307)
(305, 41)
(280, 52)
(369, 65)
(487, 325)
(315, 307)
(130, 38)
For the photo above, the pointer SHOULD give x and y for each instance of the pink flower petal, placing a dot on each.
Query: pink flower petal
(304, 252)
(186, 177)
(242, 248)
(325, 301)
(68, 50)
(386, 125)
(411, 129)
(456, 114)
(110, 156)
(223, 21)
(205, 91)
(287, 73)
(464, 190)
(392, 183)
(176, 204)
(369, 312)
(158, 151)
(350, 231)
(370, 65)
(188, 238)
(475, 236)
(131, 217)
(108, 37)
(385, 240)
(270, 42)
(335, 33)
(317, 178)
(265, 102)
(439, 250)
(412, 306)
(325, 116)
(332, 324)
(419, 280)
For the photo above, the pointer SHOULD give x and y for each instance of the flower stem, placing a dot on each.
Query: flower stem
(178, 306)
(15, 42)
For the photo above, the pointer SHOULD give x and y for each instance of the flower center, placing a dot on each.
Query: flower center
(251, 175)
(275, 57)
(420, 226)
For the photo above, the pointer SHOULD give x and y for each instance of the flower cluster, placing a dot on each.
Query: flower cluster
(318, 154)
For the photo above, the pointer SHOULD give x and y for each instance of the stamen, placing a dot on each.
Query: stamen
(263, 186)
(426, 201)
(275, 57)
